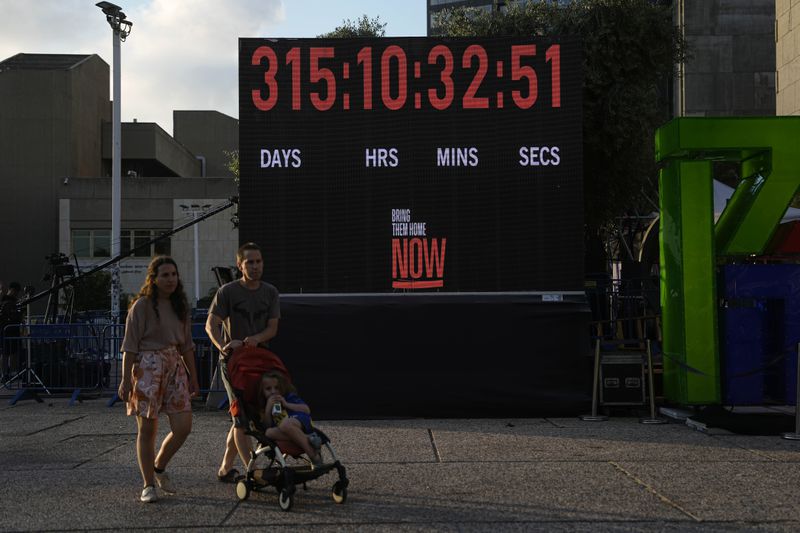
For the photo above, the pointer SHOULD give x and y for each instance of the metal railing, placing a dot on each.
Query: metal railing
(624, 309)
(81, 360)
(52, 358)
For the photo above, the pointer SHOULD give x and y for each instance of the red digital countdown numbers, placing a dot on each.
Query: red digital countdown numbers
(413, 164)
(388, 77)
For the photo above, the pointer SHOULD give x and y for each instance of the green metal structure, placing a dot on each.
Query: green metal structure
(767, 149)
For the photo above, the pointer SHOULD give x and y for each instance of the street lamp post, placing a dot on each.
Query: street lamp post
(196, 210)
(121, 28)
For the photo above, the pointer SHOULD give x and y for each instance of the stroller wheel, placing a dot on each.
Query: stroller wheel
(339, 492)
(243, 489)
(285, 500)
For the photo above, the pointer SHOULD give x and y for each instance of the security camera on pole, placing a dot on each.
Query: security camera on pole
(121, 28)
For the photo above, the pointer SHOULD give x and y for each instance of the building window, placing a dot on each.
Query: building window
(82, 242)
(140, 239)
(97, 242)
(101, 243)
(132, 239)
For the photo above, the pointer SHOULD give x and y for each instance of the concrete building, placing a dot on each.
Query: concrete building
(51, 113)
(731, 69)
(787, 36)
(150, 207)
(55, 167)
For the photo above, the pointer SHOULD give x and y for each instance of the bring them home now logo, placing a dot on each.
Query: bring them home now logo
(417, 260)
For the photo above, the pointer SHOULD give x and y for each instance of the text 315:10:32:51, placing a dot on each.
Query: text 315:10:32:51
(394, 77)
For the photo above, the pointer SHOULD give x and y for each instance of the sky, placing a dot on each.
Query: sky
(182, 54)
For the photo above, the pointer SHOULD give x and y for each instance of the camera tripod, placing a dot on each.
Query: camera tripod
(60, 272)
(27, 377)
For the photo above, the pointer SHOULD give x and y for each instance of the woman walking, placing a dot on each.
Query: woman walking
(158, 371)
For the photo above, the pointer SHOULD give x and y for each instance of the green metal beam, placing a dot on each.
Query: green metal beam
(768, 152)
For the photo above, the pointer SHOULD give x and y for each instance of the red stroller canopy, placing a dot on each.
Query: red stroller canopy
(245, 368)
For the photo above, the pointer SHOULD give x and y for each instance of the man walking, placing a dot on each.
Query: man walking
(245, 312)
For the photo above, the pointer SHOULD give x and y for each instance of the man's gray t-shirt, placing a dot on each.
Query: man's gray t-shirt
(245, 312)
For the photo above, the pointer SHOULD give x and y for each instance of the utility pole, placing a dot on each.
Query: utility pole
(121, 28)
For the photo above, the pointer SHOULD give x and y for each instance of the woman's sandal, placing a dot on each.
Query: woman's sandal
(230, 477)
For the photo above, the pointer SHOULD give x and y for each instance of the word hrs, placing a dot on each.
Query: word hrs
(445, 157)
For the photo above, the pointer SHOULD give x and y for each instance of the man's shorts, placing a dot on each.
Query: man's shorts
(160, 384)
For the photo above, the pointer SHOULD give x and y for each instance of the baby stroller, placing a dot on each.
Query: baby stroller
(269, 464)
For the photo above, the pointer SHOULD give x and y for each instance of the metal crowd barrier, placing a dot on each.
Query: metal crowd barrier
(52, 358)
(79, 359)
(112, 341)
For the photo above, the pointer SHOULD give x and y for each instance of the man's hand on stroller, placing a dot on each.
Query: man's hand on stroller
(231, 346)
(252, 340)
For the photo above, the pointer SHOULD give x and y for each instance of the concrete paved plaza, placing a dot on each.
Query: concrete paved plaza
(73, 468)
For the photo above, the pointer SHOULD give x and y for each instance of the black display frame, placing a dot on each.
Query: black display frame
(325, 225)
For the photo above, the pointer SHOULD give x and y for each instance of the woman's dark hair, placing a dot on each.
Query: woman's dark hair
(149, 289)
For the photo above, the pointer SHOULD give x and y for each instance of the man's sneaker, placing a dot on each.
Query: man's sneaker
(164, 483)
(149, 494)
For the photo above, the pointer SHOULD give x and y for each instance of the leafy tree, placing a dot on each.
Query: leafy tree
(630, 48)
(94, 293)
(362, 27)
(232, 163)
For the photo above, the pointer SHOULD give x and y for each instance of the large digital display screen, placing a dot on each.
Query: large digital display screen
(413, 164)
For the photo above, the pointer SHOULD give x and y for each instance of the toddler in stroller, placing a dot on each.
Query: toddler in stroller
(290, 450)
